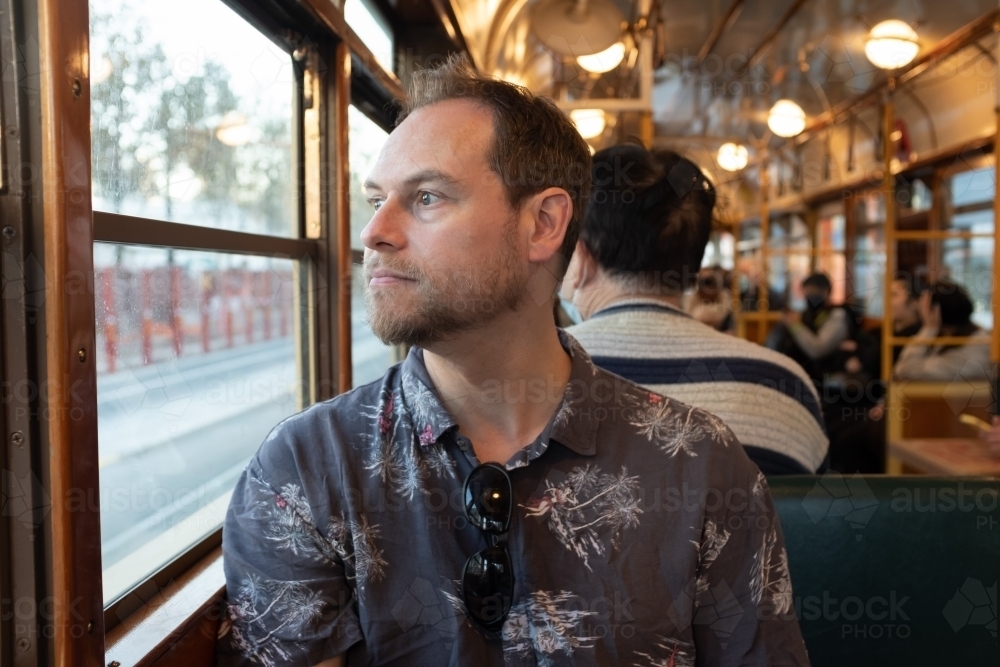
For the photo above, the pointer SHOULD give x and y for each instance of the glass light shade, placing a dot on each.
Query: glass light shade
(733, 157)
(786, 119)
(605, 61)
(589, 122)
(891, 44)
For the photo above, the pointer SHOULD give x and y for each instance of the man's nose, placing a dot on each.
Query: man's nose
(385, 229)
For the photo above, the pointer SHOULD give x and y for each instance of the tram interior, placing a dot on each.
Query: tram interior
(194, 177)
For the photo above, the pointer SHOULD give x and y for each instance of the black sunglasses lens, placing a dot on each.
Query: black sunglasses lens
(488, 501)
(488, 587)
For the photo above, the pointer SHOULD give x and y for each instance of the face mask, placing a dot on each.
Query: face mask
(570, 309)
(815, 301)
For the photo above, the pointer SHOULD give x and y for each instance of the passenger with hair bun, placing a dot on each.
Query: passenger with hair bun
(644, 234)
(946, 310)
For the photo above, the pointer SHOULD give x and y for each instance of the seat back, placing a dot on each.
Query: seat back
(893, 570)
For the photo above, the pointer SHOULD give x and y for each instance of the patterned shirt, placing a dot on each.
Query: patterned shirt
(642, 536)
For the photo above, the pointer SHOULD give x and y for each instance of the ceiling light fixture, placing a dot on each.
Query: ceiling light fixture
(891, 44)
(787, 119)
(577, 27)
(589, 123)
(605, 61)
(732, 157)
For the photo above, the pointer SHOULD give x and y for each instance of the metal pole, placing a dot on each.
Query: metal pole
(889, 198)
(763, 300)
(894, 428)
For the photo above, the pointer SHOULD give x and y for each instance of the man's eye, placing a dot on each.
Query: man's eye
(376, 203)
(426, 198)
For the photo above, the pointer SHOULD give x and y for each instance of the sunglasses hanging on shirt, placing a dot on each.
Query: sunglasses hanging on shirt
(488, 579)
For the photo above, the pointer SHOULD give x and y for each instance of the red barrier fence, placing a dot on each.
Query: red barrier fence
(150, 315)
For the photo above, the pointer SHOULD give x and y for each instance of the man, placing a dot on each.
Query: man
(366, 530)
(819, 332)
(945, 310)
(642, 242)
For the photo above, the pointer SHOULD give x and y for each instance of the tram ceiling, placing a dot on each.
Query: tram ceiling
(719, 65)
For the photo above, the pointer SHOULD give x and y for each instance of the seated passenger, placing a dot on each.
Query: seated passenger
(945, 310)
(642, 241)
(367, 529)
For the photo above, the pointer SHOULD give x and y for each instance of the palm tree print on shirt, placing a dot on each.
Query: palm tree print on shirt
(286, 607)
(712, 541)
(770, 580)
(402, 455)
(657, 419)
(288, 523)
(675, 654)
(545, 626)
(584, 503)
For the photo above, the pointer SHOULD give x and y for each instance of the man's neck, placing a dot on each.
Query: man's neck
(503, 382)
(607, 292)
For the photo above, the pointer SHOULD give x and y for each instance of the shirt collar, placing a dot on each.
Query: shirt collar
(573, 424)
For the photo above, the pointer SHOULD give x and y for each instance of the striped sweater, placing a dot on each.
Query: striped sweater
(766, 398)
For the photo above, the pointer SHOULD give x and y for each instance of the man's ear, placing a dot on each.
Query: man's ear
(551, 211)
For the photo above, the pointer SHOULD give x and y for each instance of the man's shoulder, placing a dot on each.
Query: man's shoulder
(330, 427)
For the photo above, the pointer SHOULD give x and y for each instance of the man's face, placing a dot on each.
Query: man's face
(444, 250)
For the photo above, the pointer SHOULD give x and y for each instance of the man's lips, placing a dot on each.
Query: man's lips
(383, 277)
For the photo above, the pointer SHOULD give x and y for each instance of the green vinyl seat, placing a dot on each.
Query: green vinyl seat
(893, 571)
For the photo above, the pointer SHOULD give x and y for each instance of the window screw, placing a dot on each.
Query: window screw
(17, 438)
(77, 88)
(9, 232)
(90, 628)
(114, 663)
(82, 355)
(23, 644)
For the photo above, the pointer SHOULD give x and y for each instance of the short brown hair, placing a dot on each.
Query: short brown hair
(535, 145)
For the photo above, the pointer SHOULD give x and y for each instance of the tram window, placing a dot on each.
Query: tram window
(831, 257)
(788, 262)
(868, 265)
(720, 251)
(191, 116)
(969, 200)
(192, 122)
(369, 356)
(969, 261)
(364, 143)
(196, 363)
(372, 28)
